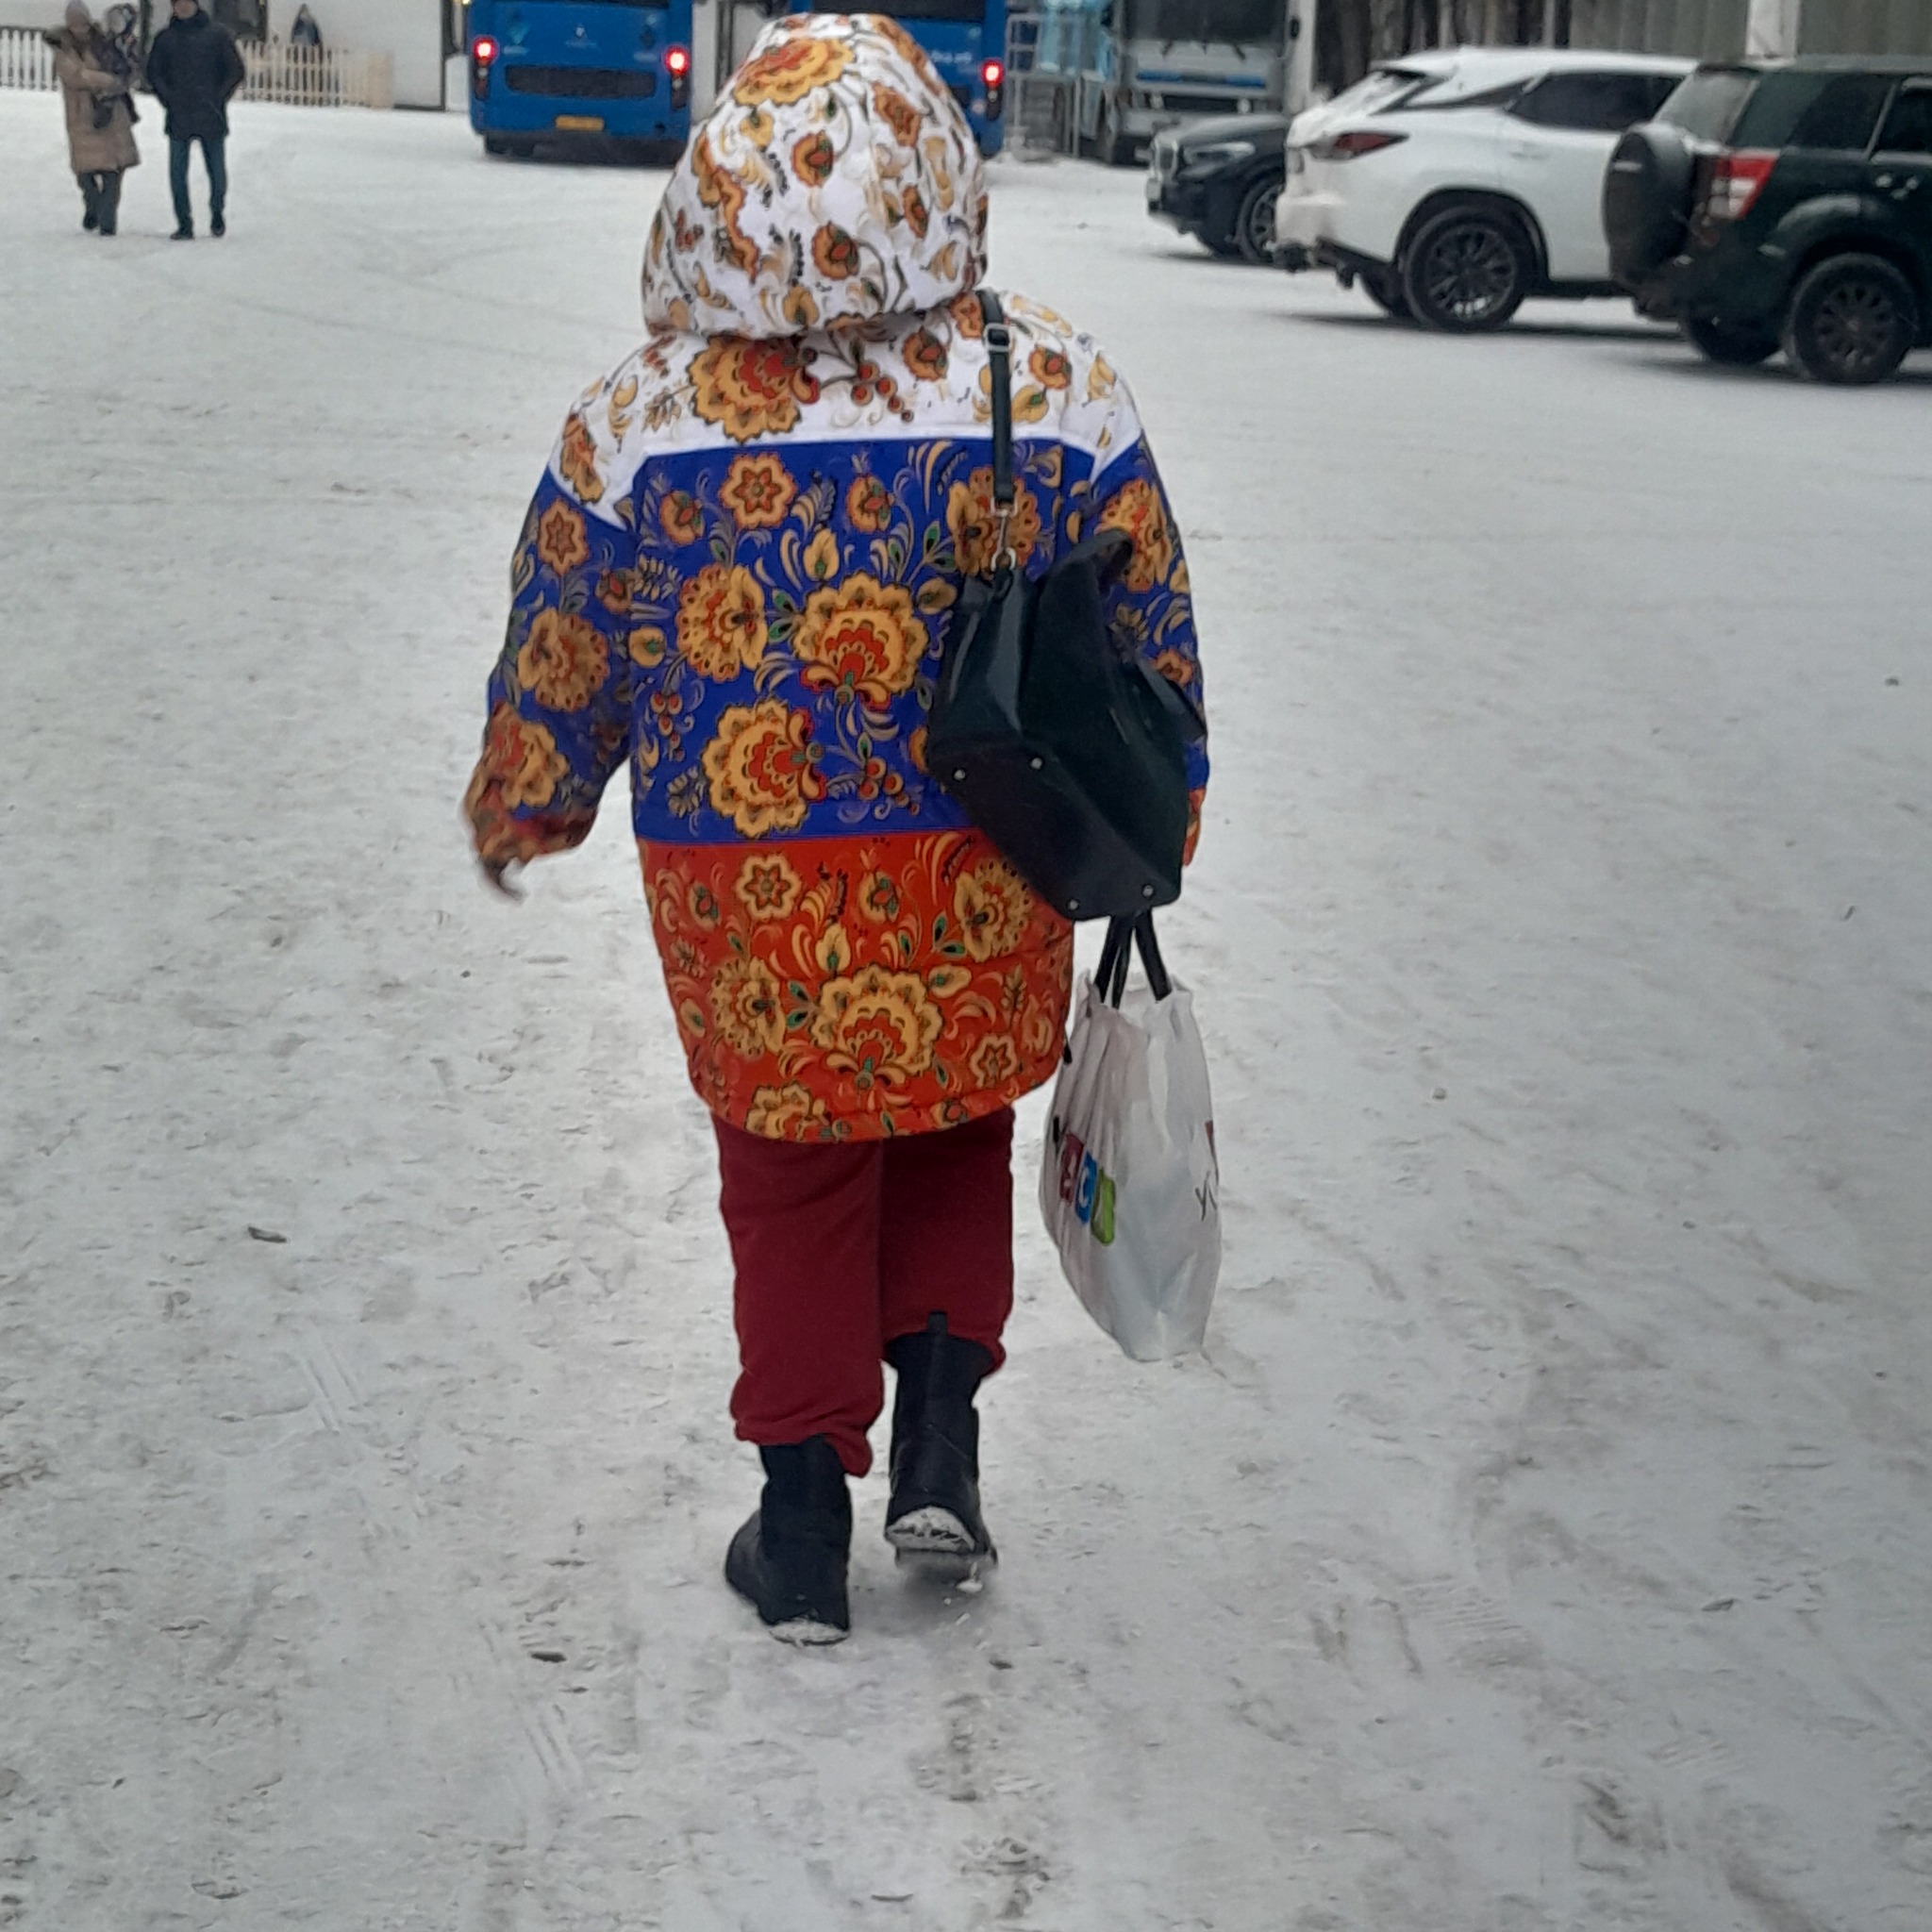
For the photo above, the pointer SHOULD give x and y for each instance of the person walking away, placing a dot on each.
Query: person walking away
(100, 116)
(735, 580)
(304, 32)
(194, 69)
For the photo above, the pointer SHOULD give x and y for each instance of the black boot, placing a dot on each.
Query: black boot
(789, 1561)
(935, 1506)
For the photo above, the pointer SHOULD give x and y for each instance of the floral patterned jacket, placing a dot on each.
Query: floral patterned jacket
(734, 578)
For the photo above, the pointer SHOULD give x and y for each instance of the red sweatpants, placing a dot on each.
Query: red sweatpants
(841, 1249)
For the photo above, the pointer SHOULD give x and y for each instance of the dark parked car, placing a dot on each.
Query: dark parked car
(1784, 204)
(1219, 181)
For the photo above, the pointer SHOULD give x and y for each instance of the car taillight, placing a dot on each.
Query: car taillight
(993, 77)
(1737, 179)
(677, 65)
(1345, 147)
(483, 53)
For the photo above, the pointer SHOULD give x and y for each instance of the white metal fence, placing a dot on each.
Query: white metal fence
(25, 60)
(317, 76)
(294, 77)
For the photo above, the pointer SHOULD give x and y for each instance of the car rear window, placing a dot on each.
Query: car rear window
(1379, 89)
(1707, 104)
(1591, 103)
(1844, 113)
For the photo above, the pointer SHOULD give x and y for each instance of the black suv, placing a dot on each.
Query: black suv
(1220, 179)
(1784, 203)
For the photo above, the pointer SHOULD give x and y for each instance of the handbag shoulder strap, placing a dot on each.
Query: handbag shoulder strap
(999, 356)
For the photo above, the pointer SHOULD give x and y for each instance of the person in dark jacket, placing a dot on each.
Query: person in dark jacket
(194, 68)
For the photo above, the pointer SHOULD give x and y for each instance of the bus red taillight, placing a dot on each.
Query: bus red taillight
(993, 77)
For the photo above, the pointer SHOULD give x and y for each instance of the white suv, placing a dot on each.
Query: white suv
(1454, 184)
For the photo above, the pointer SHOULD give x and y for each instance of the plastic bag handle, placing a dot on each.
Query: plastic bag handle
(1111, 977)
(1124, 936)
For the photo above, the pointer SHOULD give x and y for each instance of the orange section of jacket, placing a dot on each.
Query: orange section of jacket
(855, 988)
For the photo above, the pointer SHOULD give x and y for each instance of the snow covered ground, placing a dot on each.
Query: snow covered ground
(1543, 1541)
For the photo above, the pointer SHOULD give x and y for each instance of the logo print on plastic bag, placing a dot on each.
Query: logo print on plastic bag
(1086, 1184)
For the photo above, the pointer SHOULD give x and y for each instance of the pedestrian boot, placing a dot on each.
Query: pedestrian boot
(789, 1561)
(934, 1512)
(184, 233)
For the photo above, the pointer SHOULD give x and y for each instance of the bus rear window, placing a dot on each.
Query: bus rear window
(1707, 105)
(967, 11)
(972, 10)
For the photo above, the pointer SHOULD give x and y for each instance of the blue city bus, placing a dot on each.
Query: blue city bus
(563, 72)
(966, 40)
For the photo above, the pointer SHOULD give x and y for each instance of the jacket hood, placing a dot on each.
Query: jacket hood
(834, 179)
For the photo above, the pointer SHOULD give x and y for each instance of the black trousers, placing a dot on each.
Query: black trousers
(102, 193)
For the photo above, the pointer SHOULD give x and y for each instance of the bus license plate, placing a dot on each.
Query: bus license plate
(581, 123)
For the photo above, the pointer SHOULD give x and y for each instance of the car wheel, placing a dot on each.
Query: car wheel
(1736, 344)
(1254, 222)
(495, 145)
(1467, 270)
(1853, 320)
(1385, 291)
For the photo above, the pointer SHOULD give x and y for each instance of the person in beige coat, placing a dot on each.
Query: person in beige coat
(100, 114)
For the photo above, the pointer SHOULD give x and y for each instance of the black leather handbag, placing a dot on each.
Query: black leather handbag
(1066, 750)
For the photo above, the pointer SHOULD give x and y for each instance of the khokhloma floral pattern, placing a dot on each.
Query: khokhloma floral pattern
(834, 179)
(735, 579)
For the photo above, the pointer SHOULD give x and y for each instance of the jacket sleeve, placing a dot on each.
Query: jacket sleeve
(561, 696)
(234, 69)
(159, 67)
(1151, 604)
(78, 77)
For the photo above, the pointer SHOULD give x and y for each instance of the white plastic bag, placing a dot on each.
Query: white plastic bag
(1129, 1185)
